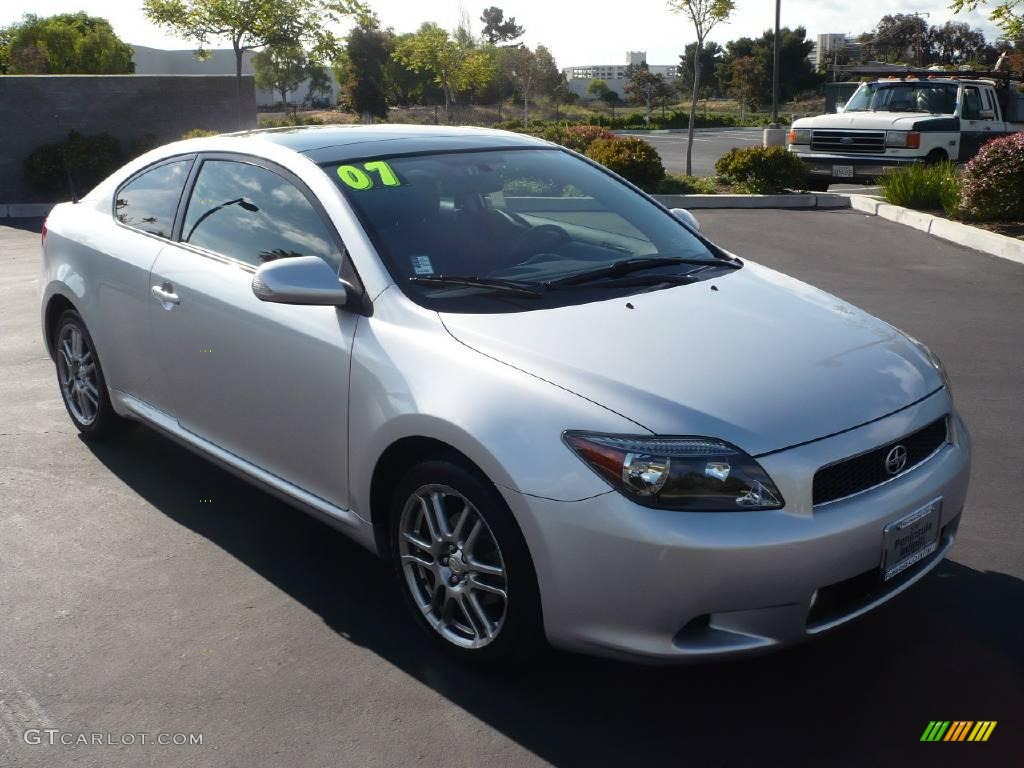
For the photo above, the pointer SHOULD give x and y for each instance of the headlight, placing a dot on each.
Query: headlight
(699, 474)
(935, 361)
(800, 136)
(903, 139)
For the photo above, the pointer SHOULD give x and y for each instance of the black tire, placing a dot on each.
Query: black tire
(521, 630)
(936, 156)
(105, 423)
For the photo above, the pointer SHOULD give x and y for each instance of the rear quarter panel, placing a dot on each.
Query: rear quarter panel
(103, 270)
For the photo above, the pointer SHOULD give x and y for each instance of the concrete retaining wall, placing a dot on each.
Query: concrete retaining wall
(42, 109)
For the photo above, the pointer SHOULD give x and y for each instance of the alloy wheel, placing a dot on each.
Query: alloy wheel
(453, 566)
(76, 369)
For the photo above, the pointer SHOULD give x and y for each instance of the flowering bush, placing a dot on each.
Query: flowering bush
(580, 137)
(633, 159)
(993, 182)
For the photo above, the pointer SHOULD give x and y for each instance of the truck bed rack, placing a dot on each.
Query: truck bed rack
(921, 73)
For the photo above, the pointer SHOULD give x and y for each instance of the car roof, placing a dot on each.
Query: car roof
(337, 143)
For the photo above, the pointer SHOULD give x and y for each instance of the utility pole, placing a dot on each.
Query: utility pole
(920, 36)
(775, 67)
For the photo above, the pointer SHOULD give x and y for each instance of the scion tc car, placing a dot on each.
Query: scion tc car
(559, 410)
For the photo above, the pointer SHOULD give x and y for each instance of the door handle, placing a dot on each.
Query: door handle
(166, 294)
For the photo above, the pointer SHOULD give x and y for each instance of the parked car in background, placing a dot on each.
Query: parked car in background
(559, 410)
(917, 118)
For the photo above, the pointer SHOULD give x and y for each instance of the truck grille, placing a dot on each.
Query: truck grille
(867, 470)
(848, 141)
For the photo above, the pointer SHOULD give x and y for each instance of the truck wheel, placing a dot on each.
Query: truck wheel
(935, 157)
(817, 185)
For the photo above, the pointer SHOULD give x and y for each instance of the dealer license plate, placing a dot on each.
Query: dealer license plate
(910, 539)
(842, 171)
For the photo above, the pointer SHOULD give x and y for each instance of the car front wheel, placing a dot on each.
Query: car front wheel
(462, 562)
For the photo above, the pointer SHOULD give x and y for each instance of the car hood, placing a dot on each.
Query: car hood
(865, 120)
(753, 357)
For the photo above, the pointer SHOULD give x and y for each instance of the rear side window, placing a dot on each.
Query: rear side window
(254, 215)
(148, 202)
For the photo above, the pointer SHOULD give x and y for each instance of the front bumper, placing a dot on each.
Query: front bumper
(618, 579)
(865, 168)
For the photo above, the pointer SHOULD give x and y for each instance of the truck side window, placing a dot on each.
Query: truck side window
(972, 104)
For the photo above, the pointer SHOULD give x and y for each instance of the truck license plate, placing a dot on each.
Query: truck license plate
(910, 539)
(842, 171)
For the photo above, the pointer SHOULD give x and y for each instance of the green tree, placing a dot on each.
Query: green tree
(68, 43)
(796, 73)
(253, 24)
(281, 68)
(320, 88)
(745, 81)
(711, 55)
(900, 34)
(704, 15)
(956, 43)
(499, 30)
(642, 86)
(531, 72)
(368, 48)
(6, 33)
(599, 89)
(453, 67)
(561, 93)
(1007, 14)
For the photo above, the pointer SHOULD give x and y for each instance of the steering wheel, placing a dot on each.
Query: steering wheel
(547, 237)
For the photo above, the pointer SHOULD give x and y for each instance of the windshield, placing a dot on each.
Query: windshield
(521, 217)
(923, 96)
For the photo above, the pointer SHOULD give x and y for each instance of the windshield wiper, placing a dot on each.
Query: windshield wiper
(471, 281)
(626, 266)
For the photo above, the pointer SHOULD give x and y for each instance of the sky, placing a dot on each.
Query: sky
(577, 31)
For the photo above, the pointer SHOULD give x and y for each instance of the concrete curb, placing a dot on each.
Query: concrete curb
(25, 210)
(978, 239)
(808, 201)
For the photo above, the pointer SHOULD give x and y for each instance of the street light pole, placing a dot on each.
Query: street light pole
(775, 67)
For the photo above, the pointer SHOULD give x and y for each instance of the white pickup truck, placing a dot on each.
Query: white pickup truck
(909, 119)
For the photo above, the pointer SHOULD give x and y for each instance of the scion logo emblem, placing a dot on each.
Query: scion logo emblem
(896, 460)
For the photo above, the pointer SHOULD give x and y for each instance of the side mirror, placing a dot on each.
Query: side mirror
(987, 114)
(687, 218)
(299, 280)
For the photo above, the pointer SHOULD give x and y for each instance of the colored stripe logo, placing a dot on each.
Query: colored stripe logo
(958, 730)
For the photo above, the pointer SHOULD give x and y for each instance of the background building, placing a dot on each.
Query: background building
(828, 46)
(156, 61)
(616, 75)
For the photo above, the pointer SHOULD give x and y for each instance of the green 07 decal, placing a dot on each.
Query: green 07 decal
(360, 178)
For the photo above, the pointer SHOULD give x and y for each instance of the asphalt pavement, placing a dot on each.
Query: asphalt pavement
(129, 605)
(709, 144)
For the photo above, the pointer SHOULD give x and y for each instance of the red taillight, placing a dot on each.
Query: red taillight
(43, 233)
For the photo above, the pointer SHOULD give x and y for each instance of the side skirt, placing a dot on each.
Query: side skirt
(345, 520)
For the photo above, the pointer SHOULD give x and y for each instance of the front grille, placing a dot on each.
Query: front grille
(868, 469)
(848, 141)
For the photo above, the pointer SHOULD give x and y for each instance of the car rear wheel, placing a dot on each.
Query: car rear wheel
(82, 386)
(462, 563)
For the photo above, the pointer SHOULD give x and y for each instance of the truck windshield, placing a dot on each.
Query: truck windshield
(924, 96)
